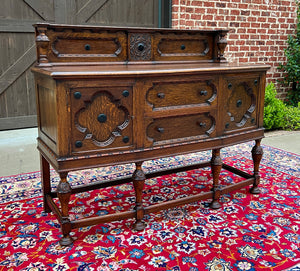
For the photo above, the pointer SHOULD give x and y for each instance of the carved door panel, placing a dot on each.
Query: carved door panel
(101, 118)
(242, 102)
(18, 53)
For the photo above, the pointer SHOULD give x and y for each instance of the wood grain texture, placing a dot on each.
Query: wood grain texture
(99, 113)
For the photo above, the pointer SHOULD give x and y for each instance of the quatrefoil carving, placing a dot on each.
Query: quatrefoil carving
(102, 133)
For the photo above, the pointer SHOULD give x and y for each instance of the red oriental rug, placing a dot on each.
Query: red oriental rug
(250, 232)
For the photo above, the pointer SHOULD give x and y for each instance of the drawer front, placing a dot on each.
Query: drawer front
(86, 47)
(241, 105)
(182, 47)
(166, 94)
(101, 118)
(183, 128)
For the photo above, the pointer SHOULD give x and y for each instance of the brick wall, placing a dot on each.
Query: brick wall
(258, 28)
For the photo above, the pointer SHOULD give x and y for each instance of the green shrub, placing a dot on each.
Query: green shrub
(274, 109)
(292, 66)
(292, 118)
(277, 115)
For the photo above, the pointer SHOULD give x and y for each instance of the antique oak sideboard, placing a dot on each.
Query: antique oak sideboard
(108, 96)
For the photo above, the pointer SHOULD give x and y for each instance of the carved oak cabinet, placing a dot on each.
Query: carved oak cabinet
(107, 96)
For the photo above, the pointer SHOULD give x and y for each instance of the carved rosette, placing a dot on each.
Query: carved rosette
(140, 46)
(102, 119)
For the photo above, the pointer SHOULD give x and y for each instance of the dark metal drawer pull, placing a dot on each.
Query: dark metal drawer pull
(161, 95)
(125, 139)
(182, 47)
(125, 93)
(239, 103)
(78, 144)
(202, 124)
(77, 95)
(160, 129)
(87, 47)
(141, 46)
(203, 93)
(102, 118)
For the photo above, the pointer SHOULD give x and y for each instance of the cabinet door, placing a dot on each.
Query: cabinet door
(101, 118)
(241, 102)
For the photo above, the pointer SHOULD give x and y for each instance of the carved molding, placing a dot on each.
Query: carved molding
(140, 47)
(248, 111)
(102, 132)
(88, 39)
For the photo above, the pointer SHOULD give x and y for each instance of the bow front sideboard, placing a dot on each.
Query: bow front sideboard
(109, 96)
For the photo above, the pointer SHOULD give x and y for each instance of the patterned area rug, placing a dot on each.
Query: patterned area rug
(250, 232)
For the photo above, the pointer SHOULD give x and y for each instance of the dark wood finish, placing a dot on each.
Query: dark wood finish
(108, 96)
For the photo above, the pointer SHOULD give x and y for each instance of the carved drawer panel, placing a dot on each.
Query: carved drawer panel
(101, 118)
(176, 129)
(182, 46)
(73, 46)
(241, 105)
(166, 94)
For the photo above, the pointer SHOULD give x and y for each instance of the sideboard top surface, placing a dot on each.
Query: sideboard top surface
(69, 71)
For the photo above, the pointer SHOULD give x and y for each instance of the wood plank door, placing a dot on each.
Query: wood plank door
(17, 47)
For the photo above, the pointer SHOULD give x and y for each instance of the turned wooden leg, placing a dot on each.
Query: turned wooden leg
(64, 194)
(46, 184)
(216, 166)
(138, 183)
(257, 153)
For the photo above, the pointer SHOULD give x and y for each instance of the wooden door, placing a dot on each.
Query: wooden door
(17, 53)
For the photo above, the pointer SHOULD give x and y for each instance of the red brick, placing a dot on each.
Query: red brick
(245, 24)
(251, 30)
(255, 25)
(207, 17)
(190, 10)
(244, 48)
(261, 19)
(208, 4)
(234, 12)
(262, 31)
(245, 37)
(212, 11)
(200, 10)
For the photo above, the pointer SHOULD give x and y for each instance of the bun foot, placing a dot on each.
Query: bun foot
(139, 226)
(66, 241)
(254, 190)
(215, 205)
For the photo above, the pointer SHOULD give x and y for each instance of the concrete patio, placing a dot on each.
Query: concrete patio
(18, 153)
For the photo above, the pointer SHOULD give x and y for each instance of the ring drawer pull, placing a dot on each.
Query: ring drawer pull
(160, 129)
(87, 47)
(203, 93)
(161, 95)
(202, 124)
(102, 118)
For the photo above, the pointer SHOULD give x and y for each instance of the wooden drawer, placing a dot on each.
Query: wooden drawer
(86, 47)
(182, 47)
(168, 94)
(101, 118)
(182, 128)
